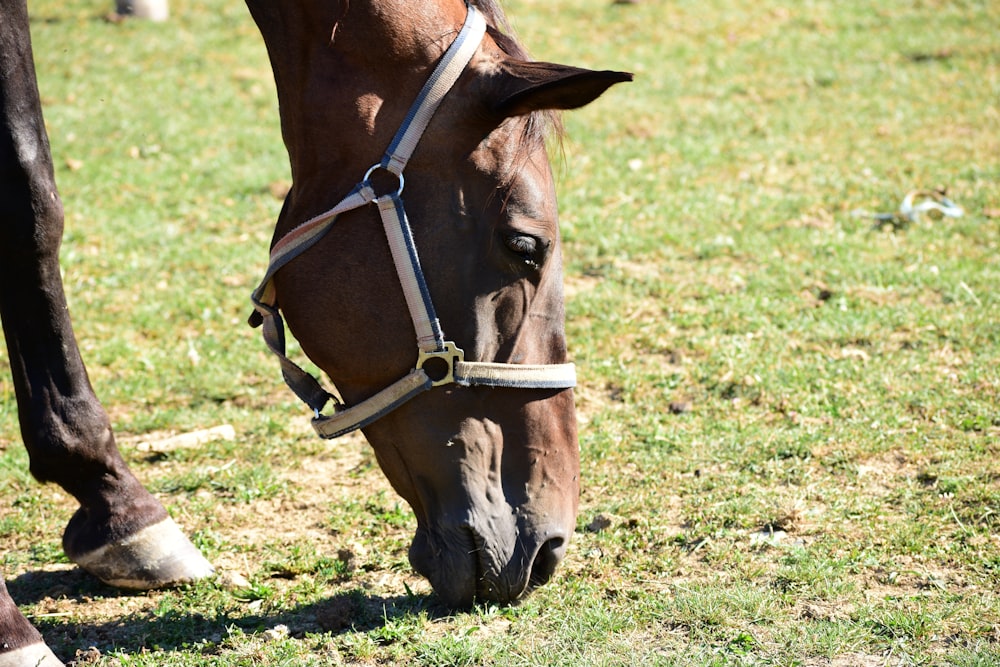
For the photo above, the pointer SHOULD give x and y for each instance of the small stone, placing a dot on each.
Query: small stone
(679, 407)
(767, 537)
(276, 633)
(233, 581)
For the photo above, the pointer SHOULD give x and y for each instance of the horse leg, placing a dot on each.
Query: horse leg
(153, 10)
(20, 642)
(121, 533)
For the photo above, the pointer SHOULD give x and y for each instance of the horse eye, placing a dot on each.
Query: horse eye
(530, 250)
(522, 245)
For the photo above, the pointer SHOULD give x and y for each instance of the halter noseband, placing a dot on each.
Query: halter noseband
(439, 361)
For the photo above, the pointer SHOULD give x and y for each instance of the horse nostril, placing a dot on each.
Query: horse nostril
(546, 560)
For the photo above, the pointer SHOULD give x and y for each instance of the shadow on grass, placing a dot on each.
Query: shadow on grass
(175, 628)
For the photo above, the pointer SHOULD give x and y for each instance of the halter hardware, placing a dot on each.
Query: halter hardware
(439, 361)
(380, 167)
(450, 356)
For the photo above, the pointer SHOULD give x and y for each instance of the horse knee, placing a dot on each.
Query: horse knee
(30, 208)
(30, 235)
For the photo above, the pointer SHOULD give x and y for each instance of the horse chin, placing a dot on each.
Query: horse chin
(452, 572)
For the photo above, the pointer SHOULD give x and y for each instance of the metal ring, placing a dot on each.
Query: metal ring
(399, 178)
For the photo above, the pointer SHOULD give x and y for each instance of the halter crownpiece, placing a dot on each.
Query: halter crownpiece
(439, 361)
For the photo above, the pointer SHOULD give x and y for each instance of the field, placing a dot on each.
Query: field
(790, 410)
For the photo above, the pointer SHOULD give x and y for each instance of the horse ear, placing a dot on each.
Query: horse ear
(533, 86)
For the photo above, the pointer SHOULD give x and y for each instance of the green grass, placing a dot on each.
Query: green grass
(826, 490)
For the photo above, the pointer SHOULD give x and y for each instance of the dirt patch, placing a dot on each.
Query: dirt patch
(301, 515)
(882, 473)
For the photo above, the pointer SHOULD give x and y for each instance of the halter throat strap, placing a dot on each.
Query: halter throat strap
(439, 361)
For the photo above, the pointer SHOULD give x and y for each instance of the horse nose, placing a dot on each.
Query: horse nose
(548, 556)
(524, 572)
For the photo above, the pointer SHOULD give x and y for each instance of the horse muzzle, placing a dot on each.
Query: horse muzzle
(465, 564)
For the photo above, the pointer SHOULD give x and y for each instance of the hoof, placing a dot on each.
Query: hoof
(32, 655)
(158, 556)
(152, 10)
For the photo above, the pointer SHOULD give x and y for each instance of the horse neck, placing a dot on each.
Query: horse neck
(345, 73)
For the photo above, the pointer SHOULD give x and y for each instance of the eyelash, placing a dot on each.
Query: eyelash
(530, 250)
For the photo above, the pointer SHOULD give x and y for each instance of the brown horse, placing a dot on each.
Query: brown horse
(482, 445)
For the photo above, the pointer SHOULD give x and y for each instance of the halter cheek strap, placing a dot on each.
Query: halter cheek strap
(439, 361)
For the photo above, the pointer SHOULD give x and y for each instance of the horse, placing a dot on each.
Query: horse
(476, 430)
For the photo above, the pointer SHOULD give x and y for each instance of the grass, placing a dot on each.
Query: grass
(790, 416)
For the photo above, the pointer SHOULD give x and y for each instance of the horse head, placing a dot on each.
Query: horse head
(491, 472)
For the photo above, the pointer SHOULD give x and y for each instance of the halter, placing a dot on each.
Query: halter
(439, 361)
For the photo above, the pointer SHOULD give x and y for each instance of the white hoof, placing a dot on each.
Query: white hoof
(33, 655)
(152, 10)
(155, 557)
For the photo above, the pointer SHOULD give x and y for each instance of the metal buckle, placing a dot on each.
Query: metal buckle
(379, 167)
(449, 356)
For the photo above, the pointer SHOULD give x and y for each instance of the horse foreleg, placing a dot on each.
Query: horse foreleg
(121, 533)
(154, 10)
